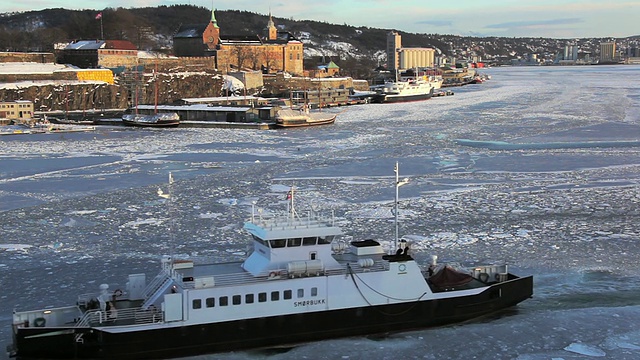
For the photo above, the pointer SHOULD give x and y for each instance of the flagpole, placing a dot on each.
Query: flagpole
(101, 29)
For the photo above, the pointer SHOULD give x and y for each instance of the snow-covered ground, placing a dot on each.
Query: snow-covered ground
(82, 209)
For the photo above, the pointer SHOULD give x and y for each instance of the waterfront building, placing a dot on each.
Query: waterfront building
(416, 58)
(91, 54)
(571, 52)
(402, 58)
(16, 110)
(608, 51)
(394, 43)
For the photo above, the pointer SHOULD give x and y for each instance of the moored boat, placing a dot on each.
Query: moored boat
(403, 90)
(302, 282)
(303, 117)
(155, 120)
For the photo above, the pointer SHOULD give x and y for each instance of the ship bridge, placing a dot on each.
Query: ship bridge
(291, 244)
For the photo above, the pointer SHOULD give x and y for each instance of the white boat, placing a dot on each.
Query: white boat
(301, 283)
(412, 89)
(287, 117)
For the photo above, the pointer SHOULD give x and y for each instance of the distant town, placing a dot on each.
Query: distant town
(203, 58)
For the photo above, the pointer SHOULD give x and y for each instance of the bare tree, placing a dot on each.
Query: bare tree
(242, 54)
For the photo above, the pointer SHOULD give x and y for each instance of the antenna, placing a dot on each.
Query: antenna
(398, 184)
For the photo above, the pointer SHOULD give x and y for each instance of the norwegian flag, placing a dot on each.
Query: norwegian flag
(289, 194)
(99, 16)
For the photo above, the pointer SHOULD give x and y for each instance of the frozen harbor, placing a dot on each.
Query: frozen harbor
(538, 168)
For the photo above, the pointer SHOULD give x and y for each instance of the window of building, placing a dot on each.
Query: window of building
(248, 298)
(223, 301)
(210, 302)
(290, 56)
(236, 299)
(275, 295)
(197, 303)
(262, 297)
(314, 291)
(286, 294)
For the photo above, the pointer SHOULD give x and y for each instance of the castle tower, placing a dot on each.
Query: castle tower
(211, 35)
(272, 31)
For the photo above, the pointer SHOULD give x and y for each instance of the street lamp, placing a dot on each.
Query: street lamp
(398, 184)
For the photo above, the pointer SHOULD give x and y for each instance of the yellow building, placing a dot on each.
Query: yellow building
(411, 58)
(401, 58)
(19, 109)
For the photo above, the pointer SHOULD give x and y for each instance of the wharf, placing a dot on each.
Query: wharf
(228, 125)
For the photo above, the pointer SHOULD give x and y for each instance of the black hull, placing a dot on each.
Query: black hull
(158, 124)
(269, 331)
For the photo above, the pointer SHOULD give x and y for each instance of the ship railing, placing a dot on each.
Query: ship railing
(278, 221)
(120, 317)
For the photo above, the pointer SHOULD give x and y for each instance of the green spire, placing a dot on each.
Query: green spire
(213, 18)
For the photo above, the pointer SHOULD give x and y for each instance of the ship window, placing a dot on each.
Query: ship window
(237, 299)
(275, 295)
(314, 291)
(300, 293)
(286, 294)
(248, 298)
(294, 242)
(309, 241)
(278, 243)
(312, 255)
(210, 302)
(262, 297)
(260, 240)
(325, 240)
(197, 303)
(224, 301)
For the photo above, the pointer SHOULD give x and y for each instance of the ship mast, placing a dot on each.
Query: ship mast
(169, 198)
(398, 184)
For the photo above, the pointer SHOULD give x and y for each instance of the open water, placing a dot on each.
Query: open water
(537, 167)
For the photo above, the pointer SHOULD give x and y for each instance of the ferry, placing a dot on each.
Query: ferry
(303, 282)
(413, 89)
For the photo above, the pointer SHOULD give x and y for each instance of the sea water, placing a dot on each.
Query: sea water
(560, 202)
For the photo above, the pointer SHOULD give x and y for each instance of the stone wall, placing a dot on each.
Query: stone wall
(87, 96)
(173, 64)
(27, 57)
(279, 85)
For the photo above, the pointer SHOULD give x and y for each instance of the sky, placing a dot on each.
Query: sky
(510, 18)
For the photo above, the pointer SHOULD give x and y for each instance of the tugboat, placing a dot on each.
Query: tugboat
(301, 283)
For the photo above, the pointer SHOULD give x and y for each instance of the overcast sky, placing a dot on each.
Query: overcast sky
(512, 18)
